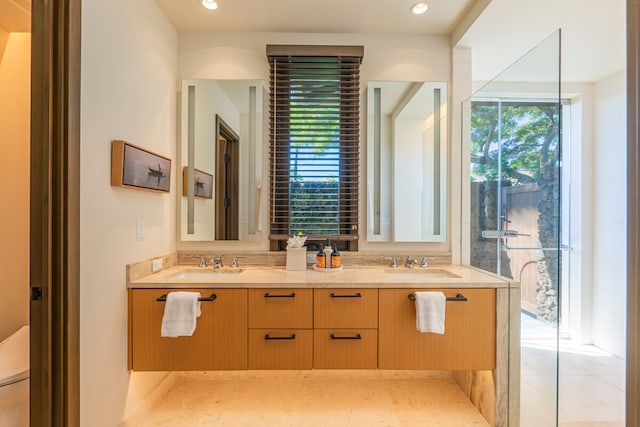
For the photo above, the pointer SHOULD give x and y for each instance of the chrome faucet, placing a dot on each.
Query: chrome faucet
(234, 262)
(217, 262)
(203, 262)
(410, 262)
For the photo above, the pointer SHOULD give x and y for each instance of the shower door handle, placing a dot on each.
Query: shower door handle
(501, 234)
(561, 248)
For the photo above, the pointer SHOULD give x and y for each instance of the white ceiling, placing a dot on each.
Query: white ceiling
(593, 36)
(327, 16)
(593, 31)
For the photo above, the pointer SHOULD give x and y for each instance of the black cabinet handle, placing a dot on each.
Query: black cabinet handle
(291, 295)
(163, 298)
(458, 297)
(357, 295)
(290, 337)
(338, 337)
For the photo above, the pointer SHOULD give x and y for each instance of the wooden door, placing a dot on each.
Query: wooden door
(521, 214)
(227, 181)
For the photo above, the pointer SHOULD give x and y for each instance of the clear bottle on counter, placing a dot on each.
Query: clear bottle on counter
(327, 253)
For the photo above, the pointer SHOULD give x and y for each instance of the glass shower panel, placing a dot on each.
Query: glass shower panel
(512, 198)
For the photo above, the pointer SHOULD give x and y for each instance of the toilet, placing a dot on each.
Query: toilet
(14, 379)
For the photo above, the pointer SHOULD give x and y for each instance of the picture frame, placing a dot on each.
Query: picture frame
(138, 168)
(203, 183)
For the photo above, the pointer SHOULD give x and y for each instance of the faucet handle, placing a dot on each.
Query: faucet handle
(425, 263)
(234, 262)
(393, 263)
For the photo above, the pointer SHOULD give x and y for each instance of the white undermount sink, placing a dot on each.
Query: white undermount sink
(194, 273)
(421, 274)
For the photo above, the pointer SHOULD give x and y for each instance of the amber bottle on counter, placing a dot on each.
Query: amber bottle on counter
(321, 259)
(335, 257)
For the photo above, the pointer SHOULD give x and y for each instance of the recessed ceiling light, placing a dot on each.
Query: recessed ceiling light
(419, 8)
(210, 4)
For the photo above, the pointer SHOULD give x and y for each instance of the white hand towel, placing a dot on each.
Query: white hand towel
(430, 308)
(180, 313)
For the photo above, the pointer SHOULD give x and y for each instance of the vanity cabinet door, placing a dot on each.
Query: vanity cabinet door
(468, 342)
(345, 308)
(281, 308)
(218, 342)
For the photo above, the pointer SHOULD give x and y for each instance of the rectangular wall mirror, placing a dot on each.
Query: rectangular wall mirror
(220, 159)
(406, 161)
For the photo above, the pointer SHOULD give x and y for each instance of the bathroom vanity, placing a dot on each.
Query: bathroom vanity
(360, 318)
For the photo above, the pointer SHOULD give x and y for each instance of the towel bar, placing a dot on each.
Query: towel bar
(291, 295)
(458, 297)
(163, 298)
(357, 295)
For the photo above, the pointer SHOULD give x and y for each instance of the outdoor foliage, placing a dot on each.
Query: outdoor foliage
(529, 136)
(314, 152)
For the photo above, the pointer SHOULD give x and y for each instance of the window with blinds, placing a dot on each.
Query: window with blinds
(314, 93)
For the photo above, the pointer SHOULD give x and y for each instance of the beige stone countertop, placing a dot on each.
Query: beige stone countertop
(447, 276)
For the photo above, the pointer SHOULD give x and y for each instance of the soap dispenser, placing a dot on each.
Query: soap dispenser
(335, 257)
(321, 258)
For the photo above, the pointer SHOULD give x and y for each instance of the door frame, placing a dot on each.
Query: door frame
(633, 214)
(55, 213)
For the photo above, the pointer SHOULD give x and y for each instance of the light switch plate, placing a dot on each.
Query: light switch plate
(140, 229)
(156, 265)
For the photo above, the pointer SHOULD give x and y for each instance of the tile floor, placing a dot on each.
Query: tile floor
(312, 398)
(590, 381)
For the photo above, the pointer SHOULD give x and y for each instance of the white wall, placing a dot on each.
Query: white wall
(129, 75)
(386, 57)
(609, 214)
(15, 49)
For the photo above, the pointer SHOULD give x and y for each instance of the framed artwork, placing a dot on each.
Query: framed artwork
(135, 167)
(203, 183)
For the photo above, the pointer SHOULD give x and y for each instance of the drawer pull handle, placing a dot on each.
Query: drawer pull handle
(163, 298)
(338, 337)
(458, 297)
(358, 295)
(290, 337)
(291, 295)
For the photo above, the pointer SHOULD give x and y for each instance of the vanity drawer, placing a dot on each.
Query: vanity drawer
(345, 308)
(281, 308)
(280, 348)
(345, 349)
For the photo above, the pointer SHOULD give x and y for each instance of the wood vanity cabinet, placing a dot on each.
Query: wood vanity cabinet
(280, 328)
(218, 342)
(345, 334)
(468, 342)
